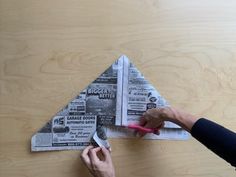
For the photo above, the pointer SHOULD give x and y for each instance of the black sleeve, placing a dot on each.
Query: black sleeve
(217, 138)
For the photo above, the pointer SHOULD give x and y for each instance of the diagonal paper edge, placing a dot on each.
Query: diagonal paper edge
(110, 97)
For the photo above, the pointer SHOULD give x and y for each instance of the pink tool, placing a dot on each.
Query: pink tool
(143, 129)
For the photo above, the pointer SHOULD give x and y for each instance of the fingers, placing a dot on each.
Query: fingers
(157, 132)
(94, 157)
(142, 121)
(152, 119)
(85, 156)
(98, 167)
(106, 154)
(150, 124)
(162, 125)
(140, 134)
(152, 112)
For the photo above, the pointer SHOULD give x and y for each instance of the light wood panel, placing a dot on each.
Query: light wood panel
(50, 51)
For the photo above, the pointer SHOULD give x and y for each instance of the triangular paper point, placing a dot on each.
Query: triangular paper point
(119, 96)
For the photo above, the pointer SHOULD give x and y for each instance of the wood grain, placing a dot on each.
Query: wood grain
(51, 50)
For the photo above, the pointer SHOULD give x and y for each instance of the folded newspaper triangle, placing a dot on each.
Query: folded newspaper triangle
(116, 98)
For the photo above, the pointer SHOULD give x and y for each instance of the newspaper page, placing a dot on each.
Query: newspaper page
(74, 126)
(118, 97)
(165, 133)
(138, 96)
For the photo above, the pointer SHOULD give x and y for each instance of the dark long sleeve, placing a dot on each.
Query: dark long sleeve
(217, 138)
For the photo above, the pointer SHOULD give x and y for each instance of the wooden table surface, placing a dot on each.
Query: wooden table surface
(51, 49)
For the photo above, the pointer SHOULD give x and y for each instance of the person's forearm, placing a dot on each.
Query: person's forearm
(217, 138)
(184, 120)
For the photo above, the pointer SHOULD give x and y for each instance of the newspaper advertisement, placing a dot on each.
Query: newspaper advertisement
(118, 97)
(138, 96)
(74, 126)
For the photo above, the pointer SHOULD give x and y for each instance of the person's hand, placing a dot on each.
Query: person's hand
(154, 118)
(98, 161)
